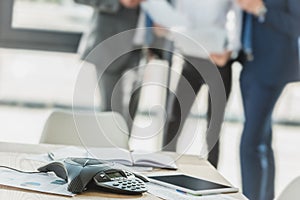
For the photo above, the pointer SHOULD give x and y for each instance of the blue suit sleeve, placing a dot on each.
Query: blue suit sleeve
(285, 20)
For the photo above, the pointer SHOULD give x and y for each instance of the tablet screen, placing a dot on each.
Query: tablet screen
(189, 182)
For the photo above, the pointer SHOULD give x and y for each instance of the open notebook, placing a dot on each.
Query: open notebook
(118, 155)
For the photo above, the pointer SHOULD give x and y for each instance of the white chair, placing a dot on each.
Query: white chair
(104, 129)
(292, 191)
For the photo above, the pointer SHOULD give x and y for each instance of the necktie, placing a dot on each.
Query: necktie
(247, 36)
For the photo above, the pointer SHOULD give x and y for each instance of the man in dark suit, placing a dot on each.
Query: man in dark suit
(271, 29)
(112, 17)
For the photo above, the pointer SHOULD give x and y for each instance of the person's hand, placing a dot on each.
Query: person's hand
(130, 3)
(220, 59)
(159, 30)
(251, 6)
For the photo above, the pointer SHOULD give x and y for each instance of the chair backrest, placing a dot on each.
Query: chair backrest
(292, 191)
(104, 129)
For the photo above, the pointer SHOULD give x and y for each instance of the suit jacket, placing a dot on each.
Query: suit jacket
(109, 18)
(275, 46)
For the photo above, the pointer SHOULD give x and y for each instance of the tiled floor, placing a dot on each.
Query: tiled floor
(48, 79)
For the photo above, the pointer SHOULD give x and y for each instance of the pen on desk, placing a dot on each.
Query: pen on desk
(51, 156)
(180, 191)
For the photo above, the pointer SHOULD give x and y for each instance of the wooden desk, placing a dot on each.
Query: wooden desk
(14, 155)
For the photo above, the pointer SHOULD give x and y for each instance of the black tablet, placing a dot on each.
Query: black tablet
(191, 185)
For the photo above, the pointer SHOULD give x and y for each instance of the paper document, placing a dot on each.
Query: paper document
(162, 13)
(200, 43)
(188, 38)
(41, 182)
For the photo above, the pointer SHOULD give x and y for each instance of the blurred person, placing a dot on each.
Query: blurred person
(270, 32)
(204, 16)
(110, 18)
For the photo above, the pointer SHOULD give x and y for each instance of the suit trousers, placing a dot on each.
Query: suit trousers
(179, 104)
(257, 158)
(112, 88)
